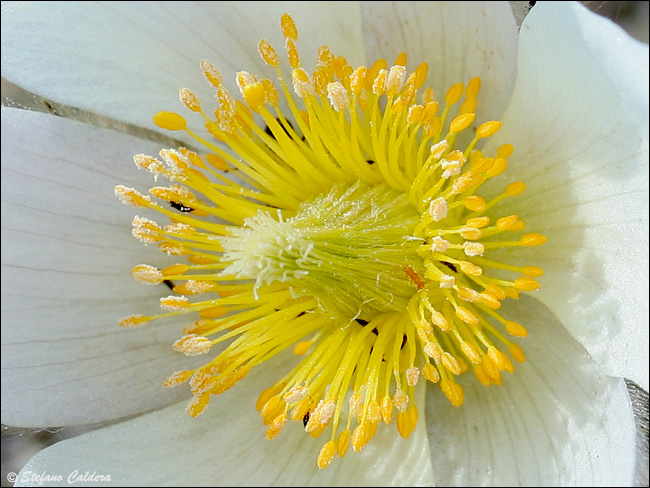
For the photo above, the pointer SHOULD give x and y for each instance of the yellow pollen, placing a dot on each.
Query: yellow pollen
(136, 320)
(338, 96)
(438, 209)
(406, 421)
(192, 345)
(169, 121)
(526, 284)
(178, 378)
(488, 129)
(430, 373)
(533, 240)
(462, 122)
(174, 303)
(334, 211)
(326, 454)
(474, 203)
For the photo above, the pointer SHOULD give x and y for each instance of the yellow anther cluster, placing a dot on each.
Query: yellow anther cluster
(360, 239)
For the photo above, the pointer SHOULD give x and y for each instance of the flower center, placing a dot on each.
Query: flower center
(359, 238)
(346, 248)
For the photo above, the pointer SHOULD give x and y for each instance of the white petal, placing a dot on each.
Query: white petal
(66, 259)
(225, 446)
(127, 60)
(556, 421)
(579, 123)
(459, 40)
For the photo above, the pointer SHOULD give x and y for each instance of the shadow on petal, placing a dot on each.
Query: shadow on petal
(556, 421)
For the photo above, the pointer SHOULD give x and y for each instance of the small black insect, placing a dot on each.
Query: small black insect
(169, 284)
(450, 266)
(363, 323)
(180, 207)
(285, 127)
(305, 419)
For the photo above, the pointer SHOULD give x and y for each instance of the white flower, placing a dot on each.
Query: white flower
(572, 93)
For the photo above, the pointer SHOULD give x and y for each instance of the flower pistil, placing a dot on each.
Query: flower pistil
(345, 222)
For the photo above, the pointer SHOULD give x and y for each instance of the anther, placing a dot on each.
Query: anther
(532, 271)
(412, 376)
(130, 196)
(211, 73)
(387, 409)
(379, 84)
(289, 29)
(395, 79)
(439, 149)
(531, 240)
(526, 284)
(192, 345)
(466, 316)
(189, 100)
(470, 268)
(169, 121)
(450, 362)
(488, 129)
(276, 426)
(447, 281)
(338, 96)
(198, 404)
(406, 421)
(439, 244)
(430, 373)
(296, 394)
(438, 209)
(178, 378)
(470, 351)
(343, 442)
(326, 454)
(473, 248)
(268, 53)
(302, 347)
(454, 94)
(400, 400)
(174, 303)
(461, 123)
(516, 188)
(474, 203)
(146, 274)
(136, 320)
(517, 353)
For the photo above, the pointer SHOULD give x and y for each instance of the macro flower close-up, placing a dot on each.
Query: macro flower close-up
(362, 243)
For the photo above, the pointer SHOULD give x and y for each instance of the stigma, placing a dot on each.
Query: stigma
(349, 229)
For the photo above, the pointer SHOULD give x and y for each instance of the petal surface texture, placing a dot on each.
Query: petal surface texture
(127, 60)
(556, 421)
(67, 253)
(226, 447)
(579, 123)
(458, 40)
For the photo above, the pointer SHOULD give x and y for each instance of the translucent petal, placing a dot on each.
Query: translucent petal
(578, 121)
(226, 446)
(459, 40)
(127, 60)
(66, 259)
(556, 421)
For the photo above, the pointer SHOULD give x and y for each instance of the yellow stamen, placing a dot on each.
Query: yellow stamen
(352, 227)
